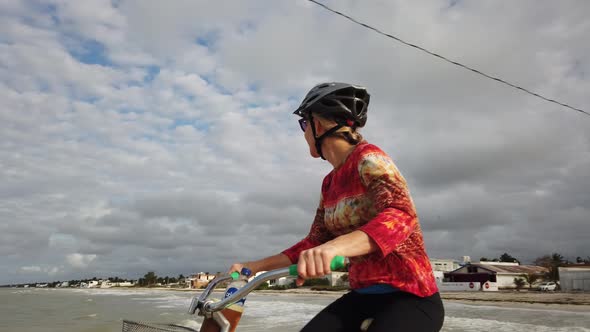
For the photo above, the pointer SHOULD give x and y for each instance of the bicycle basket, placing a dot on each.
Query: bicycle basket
(131, 326)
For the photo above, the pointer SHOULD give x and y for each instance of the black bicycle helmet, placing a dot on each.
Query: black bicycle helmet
(347, 104)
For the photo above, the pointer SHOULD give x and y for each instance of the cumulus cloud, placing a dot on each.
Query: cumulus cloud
(79, 260)
(142, 135)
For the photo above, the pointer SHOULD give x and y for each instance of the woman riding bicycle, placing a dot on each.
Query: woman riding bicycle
(365, 213)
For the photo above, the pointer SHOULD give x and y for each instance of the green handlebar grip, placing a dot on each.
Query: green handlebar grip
(338, 262)
(235, 275)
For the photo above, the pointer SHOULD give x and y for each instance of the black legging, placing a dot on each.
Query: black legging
(396, 312)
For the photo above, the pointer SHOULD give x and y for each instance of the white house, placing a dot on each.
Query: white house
(501, 273)
(444, 265)
(575, 277)
(107, 284)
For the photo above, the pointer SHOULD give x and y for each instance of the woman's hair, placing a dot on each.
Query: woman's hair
(350, 135)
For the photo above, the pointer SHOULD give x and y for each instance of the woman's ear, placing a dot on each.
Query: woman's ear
(319, 129)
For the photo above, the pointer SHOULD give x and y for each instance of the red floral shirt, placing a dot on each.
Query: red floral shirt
(368, 193)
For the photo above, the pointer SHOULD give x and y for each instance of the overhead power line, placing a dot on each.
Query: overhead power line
(448, 60)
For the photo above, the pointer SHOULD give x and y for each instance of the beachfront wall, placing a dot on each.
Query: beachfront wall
(575, 278)
(489, 286)
(459, 286)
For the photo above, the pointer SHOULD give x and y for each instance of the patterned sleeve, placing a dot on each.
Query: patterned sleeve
(396, 217)
(318, 234)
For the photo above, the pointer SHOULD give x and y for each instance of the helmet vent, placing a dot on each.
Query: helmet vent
(329, 103)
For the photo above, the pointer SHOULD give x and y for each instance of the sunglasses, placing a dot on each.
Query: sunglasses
(303, 123)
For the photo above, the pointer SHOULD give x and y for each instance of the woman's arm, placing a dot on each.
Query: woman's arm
(269, 263)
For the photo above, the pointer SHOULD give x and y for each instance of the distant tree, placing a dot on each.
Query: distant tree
(530, 278)
(552, 263)
(508, 259)
(263, 286)
(483, 259)
(151, 278)
(316, 282)
(519, 283)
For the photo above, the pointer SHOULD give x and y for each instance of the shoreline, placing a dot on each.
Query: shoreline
(500, 298)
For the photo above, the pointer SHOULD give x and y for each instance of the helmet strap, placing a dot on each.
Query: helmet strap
(319, 140)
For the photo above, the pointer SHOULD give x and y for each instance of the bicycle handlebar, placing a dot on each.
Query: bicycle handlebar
(207, 307)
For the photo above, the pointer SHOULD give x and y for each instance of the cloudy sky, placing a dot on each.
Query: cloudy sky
(158, 135)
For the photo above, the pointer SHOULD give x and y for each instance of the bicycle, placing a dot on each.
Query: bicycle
(217, 314)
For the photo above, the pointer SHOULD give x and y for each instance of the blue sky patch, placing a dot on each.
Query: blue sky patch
(208, 39)
(152, 72)
(198, 125)
(91, 52)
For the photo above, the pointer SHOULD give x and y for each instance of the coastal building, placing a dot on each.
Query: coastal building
(444, 265)
(500, 273)
(201, 279)
(440, 266)
(575, 277)
(109, 284)
(283, 281)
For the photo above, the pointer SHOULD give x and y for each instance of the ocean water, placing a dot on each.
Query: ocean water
(100, 310)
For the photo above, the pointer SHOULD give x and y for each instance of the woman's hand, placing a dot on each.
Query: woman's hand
(236, 267)
(315, 262)
(269, 263)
